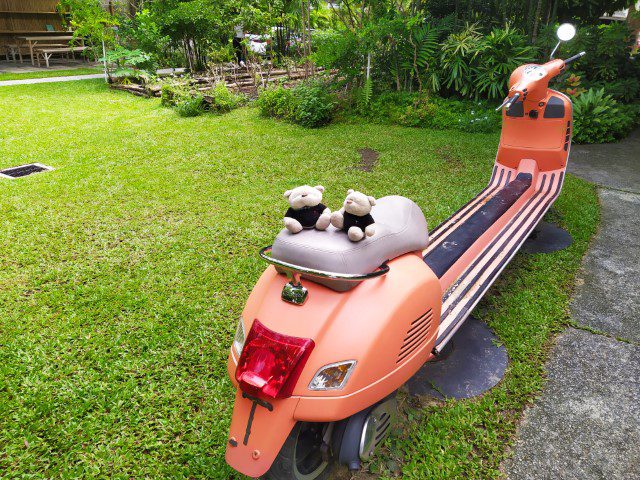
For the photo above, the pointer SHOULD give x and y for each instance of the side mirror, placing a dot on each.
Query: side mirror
(565, 32)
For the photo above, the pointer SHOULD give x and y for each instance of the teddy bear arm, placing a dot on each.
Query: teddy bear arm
(337, 219)
(293, 225)
(323, 222)
(370, 231)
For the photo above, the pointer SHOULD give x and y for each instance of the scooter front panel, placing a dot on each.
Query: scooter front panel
(540, 133)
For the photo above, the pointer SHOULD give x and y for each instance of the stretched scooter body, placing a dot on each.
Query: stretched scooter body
(328, 357)
(386, 326)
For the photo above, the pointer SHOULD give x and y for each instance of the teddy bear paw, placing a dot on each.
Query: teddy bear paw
(355, 234)
(337, 220)
(292, 225)
(370, 231)
(323, 222)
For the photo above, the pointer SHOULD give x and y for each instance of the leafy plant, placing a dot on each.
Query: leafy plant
(364, 94)
(624, 90)
(222, 100)
(423, 55)
(338, 50)
(499, 54)
(309, 105)
(597, 118)
(459, 51)
(415, 110)
(172, 93)
(573, 85)
(89, 21)
(191, 106)
(275, 101)
(142, 31)
(130, 63)
(313, 106)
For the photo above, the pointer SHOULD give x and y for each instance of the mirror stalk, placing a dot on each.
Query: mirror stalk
(553, 52)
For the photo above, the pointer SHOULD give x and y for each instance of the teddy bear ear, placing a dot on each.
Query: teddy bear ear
(319, 187)
(350, 191)
(372, 200)
(288, 193)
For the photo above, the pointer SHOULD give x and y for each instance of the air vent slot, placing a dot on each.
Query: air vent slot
(417, 333)
(383, 428)
(24, 170)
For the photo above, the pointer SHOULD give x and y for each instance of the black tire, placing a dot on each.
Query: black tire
(300, 457)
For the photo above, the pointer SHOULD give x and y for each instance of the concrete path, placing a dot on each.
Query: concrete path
(29, 81)
(613, 165)
(586, 425)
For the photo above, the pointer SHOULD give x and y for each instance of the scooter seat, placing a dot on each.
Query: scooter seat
(400, 228)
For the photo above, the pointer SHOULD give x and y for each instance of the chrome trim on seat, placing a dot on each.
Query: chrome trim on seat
(298, 269)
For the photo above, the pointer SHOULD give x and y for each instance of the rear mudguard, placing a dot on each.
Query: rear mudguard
(258, 431)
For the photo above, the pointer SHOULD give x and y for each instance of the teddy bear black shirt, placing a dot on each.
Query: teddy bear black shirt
(351, 220)
(307, 216)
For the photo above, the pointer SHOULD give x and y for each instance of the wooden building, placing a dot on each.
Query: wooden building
(27, 17)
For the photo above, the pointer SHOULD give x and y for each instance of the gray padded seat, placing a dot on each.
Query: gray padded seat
(400, 228)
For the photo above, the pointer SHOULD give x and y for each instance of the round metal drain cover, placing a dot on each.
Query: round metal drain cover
(474, 364)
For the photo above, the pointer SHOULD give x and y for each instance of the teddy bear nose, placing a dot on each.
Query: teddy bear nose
(304, 194)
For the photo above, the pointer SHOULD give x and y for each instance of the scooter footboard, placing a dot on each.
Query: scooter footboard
(258, 431)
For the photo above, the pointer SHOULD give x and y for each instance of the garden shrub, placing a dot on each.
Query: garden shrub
(623, 89)
(499, 53)
(222, 100)
(598, 118)
(275, 101)
(341, 50)
(479, 66)
(134, 64)
(191, 106)
(439, 114)
(170, 94)
(413, 110)
(306, 104)
(313, 106)
(190, 103)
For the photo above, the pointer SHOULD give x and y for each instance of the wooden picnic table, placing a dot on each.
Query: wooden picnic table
(32, 41)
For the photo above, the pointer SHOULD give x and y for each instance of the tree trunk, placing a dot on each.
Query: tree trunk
(536, 22)
(554, 12)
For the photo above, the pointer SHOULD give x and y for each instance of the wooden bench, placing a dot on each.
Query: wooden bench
(13, 52)
(48, 52)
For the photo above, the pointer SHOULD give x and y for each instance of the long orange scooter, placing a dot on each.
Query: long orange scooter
(333, 328)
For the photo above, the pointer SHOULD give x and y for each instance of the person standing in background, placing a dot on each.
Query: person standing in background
(238, 48)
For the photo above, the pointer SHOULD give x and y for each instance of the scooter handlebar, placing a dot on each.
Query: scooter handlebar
(574, 58)
(509, 101)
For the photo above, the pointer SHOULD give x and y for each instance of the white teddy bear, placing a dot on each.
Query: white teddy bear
(355, 216)
(306, 210)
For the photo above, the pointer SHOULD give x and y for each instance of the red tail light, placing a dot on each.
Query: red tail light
(271, 363)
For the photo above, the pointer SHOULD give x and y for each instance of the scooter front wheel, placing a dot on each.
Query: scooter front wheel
(302, 457)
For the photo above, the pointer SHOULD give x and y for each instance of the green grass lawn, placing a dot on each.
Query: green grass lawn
(125, 269)
(50, 73)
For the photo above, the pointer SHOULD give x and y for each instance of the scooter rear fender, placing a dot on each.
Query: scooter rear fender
(258, 430)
